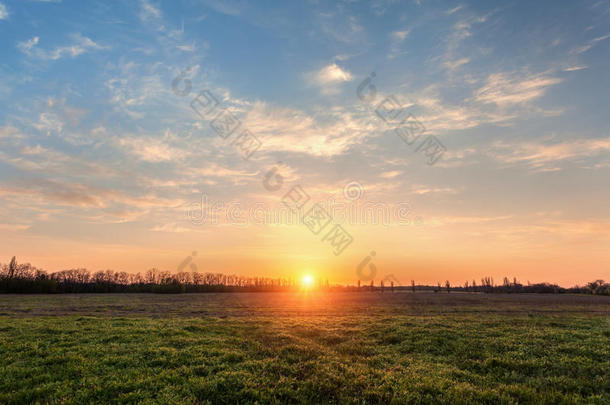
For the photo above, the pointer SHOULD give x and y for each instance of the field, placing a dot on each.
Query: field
(305, 348)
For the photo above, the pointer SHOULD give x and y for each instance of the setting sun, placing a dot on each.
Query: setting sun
(307, 281)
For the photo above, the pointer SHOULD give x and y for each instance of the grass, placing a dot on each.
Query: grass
(298, 348)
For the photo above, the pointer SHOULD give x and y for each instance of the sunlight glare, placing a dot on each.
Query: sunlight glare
(307, 281)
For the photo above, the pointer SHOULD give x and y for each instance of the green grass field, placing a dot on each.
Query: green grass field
(305, 348)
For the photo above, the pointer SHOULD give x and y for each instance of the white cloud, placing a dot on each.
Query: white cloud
(329, 77)
(80, 45)
(26, 46)
(3, 12)
(399, 35)
(187, 48)
(589, 45)
(453, 65)
(390, 174)
(332, 74)
(148, 11)
(421, 190)
(286, 129)
(505, 90)
(454, 10)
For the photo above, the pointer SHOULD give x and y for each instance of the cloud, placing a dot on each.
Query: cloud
(331, 74)
(171, 227)
(286, 129)
(138, 89)
(575, 68)
(80, 45)
(3, 12)
(329, 78)
(453, 58)
(148, 11)
(504, 90)
(151, 149)
(589, 45)
(9, 131)
(421, 190)
(64, 193)
(453, 65)
(390, 174)
(187, 48)
(26, 46)
(467, 219)
(399, 35)
(95, 203)
(544, 157)
(14, 227)
(454, 10)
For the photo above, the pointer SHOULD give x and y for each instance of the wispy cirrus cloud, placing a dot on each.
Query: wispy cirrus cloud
(422, 189)
(151, 149)
(545, 156)
(505, 89)
(584, 48)
(80, 44)
(454, 10)
(292, 130)
(575, 68)
(454, 64)
(101, 203)
(148, 11)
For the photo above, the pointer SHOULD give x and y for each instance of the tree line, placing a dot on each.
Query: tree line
(18, 278)
(25, 278)
(487, 285)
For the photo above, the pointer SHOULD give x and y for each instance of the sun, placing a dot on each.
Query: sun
(307, 281)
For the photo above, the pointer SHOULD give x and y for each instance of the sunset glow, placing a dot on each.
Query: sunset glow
(307, 281)
(248, 139)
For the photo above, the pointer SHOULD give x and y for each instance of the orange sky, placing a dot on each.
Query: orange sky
(454, 142)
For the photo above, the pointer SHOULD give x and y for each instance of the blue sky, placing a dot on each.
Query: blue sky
(100, 158)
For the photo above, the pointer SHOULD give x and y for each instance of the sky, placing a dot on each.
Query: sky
(400, 140)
